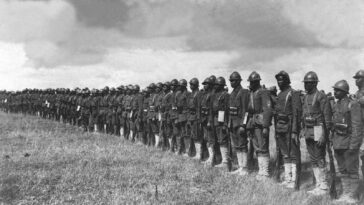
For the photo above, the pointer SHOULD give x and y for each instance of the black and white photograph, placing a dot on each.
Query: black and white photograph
(251, 102)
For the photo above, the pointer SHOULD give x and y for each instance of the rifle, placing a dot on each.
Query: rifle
(332, 185)
(230, 156)
(298, 158)
(278, 154)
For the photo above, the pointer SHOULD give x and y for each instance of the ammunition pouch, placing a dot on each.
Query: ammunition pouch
(282, 125)
(233, 111)
(192, 111)
(341, 128)
(310, 122)
(258, 120)
(204, 111)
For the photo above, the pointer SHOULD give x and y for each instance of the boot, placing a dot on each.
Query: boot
(187, 143)
(224, 155)
(95, 128)
(121, 132)
(105, 129)
(131, 135)
(243, 164)
(210, 160)
(198, 151)
(287, 174)
(320, 182)
(263, 173)
(292, 182)
(349, 191)
(157, 139)
(362, 162)
(170, 145)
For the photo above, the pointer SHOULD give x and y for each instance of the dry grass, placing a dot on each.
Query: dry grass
(67, 166)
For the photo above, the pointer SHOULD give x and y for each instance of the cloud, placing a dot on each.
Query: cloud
(132, 41)
(335, 23)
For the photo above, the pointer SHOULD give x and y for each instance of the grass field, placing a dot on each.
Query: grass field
(45, 162)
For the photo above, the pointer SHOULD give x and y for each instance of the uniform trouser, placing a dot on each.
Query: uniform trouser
(260, 142)
(192, 128)
(317, 153)
(239, 141)
(126, 127)
(222, 135)
(153, 130)
(362, 159)
(94, 118)
(208, 135)
(287, 146)
(348, 162)
(180, 135)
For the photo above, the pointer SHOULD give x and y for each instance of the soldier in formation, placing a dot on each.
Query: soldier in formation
(169, 117)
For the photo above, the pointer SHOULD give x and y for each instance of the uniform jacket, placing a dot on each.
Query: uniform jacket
(238, 106)
(260, 108)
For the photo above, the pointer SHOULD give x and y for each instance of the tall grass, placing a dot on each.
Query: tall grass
(45, 162)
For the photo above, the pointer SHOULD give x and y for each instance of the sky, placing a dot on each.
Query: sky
(94, 43)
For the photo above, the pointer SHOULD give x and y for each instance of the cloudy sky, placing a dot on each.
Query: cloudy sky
(69, 43)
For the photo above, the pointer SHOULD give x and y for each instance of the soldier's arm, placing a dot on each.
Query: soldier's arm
(326, 110)
(267, 108)
(356, 125)
(296, 111)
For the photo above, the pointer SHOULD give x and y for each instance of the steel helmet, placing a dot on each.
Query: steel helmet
(235, 76)
(342, 85)
(311, 77)
(194, 81)
(183, 83)
(284, 75)
(207, 81)
(174, 82)
(220, 81)
(359, 74)
(254, 76)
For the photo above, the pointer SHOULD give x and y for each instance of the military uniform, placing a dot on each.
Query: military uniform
(238, 109)
(182, 139)
(260, 117)
(219, 120)
(166, 125)
(193, 120)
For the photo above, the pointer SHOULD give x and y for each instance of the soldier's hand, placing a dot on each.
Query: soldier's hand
(321, 141)
(241, 130)
(295, 138)
(265, 131)
(208, 124)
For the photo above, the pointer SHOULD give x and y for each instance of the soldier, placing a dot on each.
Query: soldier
(183, 141)
(94, 111)
(158, 102)
(316, 108)
(86, 109)
(287, 121)
(206, 104)
(219, 121)
(143, 118)
(193, 124)
(359, 81)
(173, 115)
(346, 140)
(238, 108)
(127, 111)
(165, 109)
(260, 117)
(119, 113)
(153, 128)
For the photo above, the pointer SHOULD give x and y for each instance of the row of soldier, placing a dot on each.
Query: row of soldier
(168, 116)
